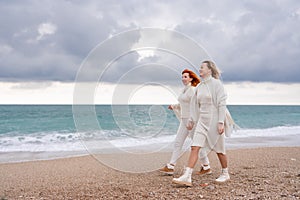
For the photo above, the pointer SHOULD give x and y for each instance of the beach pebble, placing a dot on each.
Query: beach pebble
(210, 187)
(204, 184)
(79, 179)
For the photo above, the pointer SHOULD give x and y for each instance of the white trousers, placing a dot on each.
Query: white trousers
(178, 150)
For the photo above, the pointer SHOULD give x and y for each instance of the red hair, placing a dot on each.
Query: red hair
(196, 79)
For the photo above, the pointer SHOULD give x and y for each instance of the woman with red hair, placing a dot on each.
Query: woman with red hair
(182, 110)
(208, 113)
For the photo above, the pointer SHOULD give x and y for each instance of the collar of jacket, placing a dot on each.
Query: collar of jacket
(206, 79)
(186, 87)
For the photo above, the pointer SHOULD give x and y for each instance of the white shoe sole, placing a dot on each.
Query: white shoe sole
(182, 183)
(223, 181)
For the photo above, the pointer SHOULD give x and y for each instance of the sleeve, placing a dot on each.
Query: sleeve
(221, 97)
(177, 110)
(194, 107)
(190, 93)
(176, 106)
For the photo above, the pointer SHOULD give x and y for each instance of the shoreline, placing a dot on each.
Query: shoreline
(232, 143)
(268, 172)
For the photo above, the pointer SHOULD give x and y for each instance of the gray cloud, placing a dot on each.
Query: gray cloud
(249, 40)
(258, 41)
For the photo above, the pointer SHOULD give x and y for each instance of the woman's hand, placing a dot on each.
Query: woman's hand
(190, 125)
(221, 128)
(170, 107)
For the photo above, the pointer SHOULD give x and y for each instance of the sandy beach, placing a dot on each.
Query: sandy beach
(259, 173)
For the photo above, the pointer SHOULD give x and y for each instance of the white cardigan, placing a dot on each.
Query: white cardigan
(182, 110)
(219, 97)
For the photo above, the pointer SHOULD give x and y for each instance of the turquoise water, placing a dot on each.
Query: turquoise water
(52, 127)
(33, 119)
(46, 118)
(261, 117)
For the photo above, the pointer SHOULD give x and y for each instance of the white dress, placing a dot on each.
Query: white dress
(210, 103)
(182, 111)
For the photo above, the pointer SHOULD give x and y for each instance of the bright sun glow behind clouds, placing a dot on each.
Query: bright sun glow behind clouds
(239, 93)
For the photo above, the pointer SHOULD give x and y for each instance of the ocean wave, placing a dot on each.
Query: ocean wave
(267, 132)
(74, 141)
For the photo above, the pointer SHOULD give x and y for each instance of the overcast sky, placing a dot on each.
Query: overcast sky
(249, 40)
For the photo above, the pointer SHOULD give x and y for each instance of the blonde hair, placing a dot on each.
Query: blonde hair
(215, 72)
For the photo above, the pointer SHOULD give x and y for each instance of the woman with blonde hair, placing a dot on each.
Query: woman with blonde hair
(182, 110)
(207, 116)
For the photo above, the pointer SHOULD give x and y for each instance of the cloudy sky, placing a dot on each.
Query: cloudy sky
(44, 43)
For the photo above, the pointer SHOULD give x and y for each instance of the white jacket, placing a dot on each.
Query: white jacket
(182, 110)
(219, 97)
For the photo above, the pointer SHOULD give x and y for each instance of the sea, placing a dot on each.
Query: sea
(34, 132)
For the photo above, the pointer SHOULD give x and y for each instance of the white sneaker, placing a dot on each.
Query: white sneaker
(185, 179)
(223, 177)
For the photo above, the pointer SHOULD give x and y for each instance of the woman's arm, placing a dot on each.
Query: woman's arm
(221, 97)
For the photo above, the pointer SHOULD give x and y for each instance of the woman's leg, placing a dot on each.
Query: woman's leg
(193, 156)
(223, 159)
(203, 157)
(224, 173)
(186, 178)
(182, 134)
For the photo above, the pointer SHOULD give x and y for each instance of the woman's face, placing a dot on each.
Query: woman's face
(204, 70)
(186, 78)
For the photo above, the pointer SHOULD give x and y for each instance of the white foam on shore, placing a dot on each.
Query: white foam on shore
(57, 145)
(268, 132)
(54, 142)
